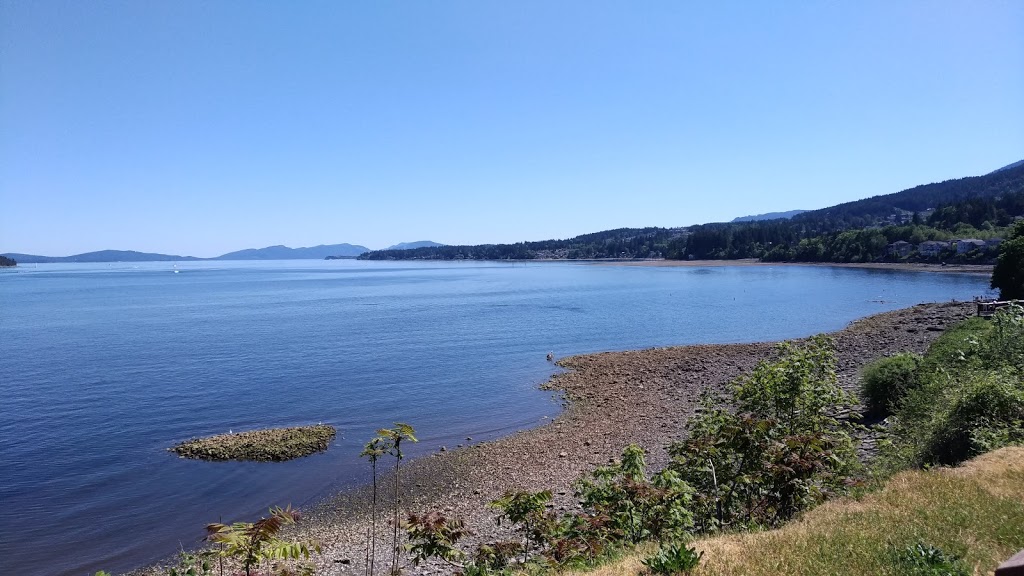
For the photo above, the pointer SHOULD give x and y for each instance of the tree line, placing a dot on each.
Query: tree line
(806, 239)
(618, 243)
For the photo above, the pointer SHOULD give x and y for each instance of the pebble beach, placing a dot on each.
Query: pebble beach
(611, 399)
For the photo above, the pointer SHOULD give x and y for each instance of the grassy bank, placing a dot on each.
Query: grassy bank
(975, 512)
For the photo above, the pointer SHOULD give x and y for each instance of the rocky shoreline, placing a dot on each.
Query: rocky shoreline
(267, 445)
(612, 399)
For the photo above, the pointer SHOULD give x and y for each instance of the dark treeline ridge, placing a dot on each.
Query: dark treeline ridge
(866, 212)
(980, 207)
(5, 261)
(619, 243)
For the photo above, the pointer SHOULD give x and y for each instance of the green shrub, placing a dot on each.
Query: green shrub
(969, 395)
(924, 560)
(781, 449)
(1004, 345)
(957, 348)
(986, 416)
(886, 382)
(434, 535)
(633, 507)
(673, 559)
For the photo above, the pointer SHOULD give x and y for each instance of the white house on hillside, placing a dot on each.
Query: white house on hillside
(968, 244)
(932, 247)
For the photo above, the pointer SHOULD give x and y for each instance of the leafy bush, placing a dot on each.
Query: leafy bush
(986, 416)
(958, 348)
(1008, 273)
(252, 543)
(886, 382)
(673, 559)
(1005, 342)
(636, 508)
(969, 398)
(924, 560)
(526, 511)
(193, 564)
(496, 555)
(781, 451)
(433, 535)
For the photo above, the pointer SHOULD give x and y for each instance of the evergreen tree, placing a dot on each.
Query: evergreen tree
(1008, 274)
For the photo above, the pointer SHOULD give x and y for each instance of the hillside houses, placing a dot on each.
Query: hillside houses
(935, 248)
(900, 249)
(932, 248)
(968, 244)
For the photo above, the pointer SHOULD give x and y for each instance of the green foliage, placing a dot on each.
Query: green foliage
(887, 381)
(5, 262)
(970, 394)
(1008, 274)
(619, 243)
(780, 450)
(392, 439)
(494, 556)
(1005, 341)
(634, 507)
(433, 535)
(978, 207)
(673, 558)
(526, 511)
(253, 543)
(193, 565)
(925, 560)
(373, 450)
(987, 414)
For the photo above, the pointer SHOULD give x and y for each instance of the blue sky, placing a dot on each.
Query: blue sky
(197, 127)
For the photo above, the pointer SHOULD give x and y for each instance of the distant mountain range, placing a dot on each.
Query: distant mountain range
(286, 253)
(268, 253)
(630, 242)
(101, 256)
(413, 245)
(768, 216)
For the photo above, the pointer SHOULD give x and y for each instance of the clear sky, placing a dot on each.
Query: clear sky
(199, 127)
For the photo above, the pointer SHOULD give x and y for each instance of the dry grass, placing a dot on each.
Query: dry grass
(975, 511)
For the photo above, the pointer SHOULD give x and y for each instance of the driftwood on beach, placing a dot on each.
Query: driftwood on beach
(268, 445)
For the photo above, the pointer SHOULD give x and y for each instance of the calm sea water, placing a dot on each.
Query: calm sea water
(104, 366)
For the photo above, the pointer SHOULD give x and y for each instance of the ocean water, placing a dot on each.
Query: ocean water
(105, 366)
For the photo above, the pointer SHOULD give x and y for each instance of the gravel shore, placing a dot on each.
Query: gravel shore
(612, 399)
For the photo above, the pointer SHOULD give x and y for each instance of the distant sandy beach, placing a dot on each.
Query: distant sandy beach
(903, 266)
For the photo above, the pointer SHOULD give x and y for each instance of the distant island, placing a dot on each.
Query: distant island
(6, 262)
(268, 253)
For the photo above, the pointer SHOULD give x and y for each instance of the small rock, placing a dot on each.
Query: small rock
(563, 454)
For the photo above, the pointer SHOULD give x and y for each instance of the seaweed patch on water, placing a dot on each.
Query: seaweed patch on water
(268, 445)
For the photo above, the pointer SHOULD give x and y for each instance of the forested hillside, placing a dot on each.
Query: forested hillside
(980, 207)
(620, 243)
